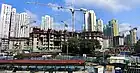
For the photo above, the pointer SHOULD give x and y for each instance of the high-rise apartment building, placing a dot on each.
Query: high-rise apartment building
(105, 30)
(22, 25)
(47, 22)
(90, 21)
(108, 31)
(133, 36)
(113, 24)
(22, 31)
(5, 20)
(18, 24)
(17, 21)
(99, 25)
(13, 23)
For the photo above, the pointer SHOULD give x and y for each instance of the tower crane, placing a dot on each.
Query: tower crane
(72, 10)
(131, 28)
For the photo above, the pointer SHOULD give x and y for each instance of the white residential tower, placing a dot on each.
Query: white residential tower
(47, 22)
(90, 21)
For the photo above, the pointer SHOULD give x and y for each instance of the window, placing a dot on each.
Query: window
(37, 39)
(51, 47)
(44, 40)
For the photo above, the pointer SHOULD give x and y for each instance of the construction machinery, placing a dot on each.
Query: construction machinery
(71, 9)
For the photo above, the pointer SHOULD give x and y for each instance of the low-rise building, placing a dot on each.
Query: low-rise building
(52, 40)
(93, 35)
(14, 44)
(47, 41)
(118, 41)
(118, 59)
(105, 43)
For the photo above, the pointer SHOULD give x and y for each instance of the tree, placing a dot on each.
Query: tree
(81, 46)
(64, 47)
(88, 46)
(85, 46)
(137, 47)
(73, 46)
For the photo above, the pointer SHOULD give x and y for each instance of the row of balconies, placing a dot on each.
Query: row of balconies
(44, 36)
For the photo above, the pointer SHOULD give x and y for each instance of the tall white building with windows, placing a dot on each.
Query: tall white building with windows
(5, 20)
(8, 20)
(47, 22)
(90, 21)
(8, 15)
(13, 23)
(17, 26)
(21, 31)
(19, 23)
(23, 25)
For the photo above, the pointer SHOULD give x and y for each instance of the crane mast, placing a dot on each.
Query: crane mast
(72, 10)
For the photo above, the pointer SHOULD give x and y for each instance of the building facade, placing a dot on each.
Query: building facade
(133, 36)
(108, 31)
(111, 30)
(113, 24)
(105, 43)
(17, 28)
(50, 40)
(17, 45)
(127, 40)
(13, 23)
(90, 21)
(108, 42)
(100, 25)
(7, 25)
(5, 20)
(93, 35)
(47, 22)
(118, 41)
(46, 41)
(23, 25)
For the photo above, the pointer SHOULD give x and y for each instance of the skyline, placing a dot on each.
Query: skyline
(105, 10)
